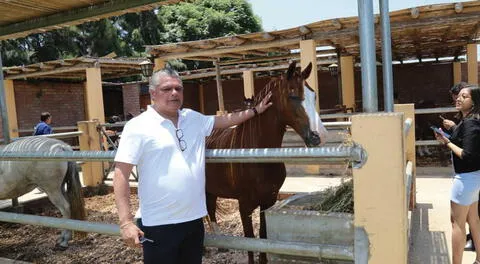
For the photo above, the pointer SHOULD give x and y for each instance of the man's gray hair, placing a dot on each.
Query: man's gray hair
(159, 75)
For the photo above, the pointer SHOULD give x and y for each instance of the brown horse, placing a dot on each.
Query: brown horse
(258, 184)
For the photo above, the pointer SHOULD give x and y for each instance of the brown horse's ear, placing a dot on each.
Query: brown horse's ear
(291, 70)
(307, 71)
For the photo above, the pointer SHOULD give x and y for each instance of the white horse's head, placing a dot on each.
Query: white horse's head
(316, 124)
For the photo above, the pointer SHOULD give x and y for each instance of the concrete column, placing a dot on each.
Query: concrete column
(457, 72)
(11, 108)
(348, 81)
(408, 111)
(94, 95)
(380, 187)
(90, 140)
(308, 53)
(472, 62)
(248, 84)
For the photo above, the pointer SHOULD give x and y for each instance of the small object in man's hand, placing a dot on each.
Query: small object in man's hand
(144, 239)
(437, 130)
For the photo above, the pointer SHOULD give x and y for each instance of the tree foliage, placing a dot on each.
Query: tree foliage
(127, 35)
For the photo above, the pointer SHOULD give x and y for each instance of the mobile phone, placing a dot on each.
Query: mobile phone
(437, 130)
(144, 239)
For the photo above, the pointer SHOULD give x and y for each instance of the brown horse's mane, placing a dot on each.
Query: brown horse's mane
(246, 134)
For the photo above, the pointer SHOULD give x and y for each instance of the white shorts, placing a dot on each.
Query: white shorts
(465, 188)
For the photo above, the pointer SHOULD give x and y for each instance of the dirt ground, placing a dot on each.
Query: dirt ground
(36, 244)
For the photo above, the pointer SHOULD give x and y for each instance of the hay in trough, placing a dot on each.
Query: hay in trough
(336, 199)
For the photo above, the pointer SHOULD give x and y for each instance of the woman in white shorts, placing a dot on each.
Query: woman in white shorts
(465, 146)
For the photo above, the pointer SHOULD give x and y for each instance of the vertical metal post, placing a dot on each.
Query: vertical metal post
(368, 56)
(221, 105)
(3, 107)
(386, 56)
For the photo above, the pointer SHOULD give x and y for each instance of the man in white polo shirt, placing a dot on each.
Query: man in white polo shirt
(167, 144)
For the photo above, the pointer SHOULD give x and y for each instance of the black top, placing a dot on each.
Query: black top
(467, 136)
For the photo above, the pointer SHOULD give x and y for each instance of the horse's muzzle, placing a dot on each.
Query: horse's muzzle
(312, 139)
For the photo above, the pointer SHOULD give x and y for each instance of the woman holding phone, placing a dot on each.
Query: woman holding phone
(465, 146)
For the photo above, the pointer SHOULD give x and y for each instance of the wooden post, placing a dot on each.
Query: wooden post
(11, 108)
(159, 64)
(472, 62)
(457, 72)
(379, 186)
(221, 105)
(201, 97)
(408, 111)
(94, 95)
(248, 84)
(308, 53)
(348, 81)
(90, 140)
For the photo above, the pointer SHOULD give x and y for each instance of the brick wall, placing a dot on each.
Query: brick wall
(65, 101)
(131, 99)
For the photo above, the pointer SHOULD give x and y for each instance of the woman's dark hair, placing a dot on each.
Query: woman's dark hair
(457, 87)
(475, 94)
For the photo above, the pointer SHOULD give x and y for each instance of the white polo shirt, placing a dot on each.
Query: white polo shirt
(171, 184)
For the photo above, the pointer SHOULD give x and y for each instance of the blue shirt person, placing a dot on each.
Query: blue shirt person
(43, 128)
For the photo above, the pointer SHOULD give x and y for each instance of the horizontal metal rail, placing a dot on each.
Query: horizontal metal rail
(62, 128)
(220, 241)
(408, 125)
(118, 124)
(355, 154)
(437, 110)
(337, 124)
(427, 143)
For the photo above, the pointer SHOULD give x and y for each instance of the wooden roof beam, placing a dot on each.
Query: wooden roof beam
(220, 52)
(34, 73)
(74, 17)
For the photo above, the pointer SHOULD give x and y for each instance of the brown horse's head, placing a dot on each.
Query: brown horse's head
(294, 103)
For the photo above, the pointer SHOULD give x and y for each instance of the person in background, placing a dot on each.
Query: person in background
(167, 144)
(43, 127)
(450, 125)
(464, 144)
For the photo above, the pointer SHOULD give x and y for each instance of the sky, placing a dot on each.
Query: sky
(282, 14)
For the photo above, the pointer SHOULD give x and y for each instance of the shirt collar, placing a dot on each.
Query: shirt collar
(154, 114)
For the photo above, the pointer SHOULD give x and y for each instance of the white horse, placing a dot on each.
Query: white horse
(58, 179)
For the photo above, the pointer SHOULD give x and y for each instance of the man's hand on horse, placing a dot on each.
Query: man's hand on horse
(264, 104)
(131, 235)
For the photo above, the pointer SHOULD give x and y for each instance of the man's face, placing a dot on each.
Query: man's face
(168, 96)
(49, 120)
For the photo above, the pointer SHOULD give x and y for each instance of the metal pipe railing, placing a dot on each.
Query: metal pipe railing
(427, 143)
(408, 125)
(409, 175)
(220, 241)
(54, 129)
(56, 135)
(437, 110)
(354, 153)
(337, 124)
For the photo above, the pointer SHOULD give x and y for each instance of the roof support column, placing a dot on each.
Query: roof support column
(457, 72)
(386, 57)
(348, 81)
(472, 63)
(221, 105)
(3, 107)
(94, 95)
(308, 53)
(158, 64)
(248, 84)
(368, 56)
(11, 108)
